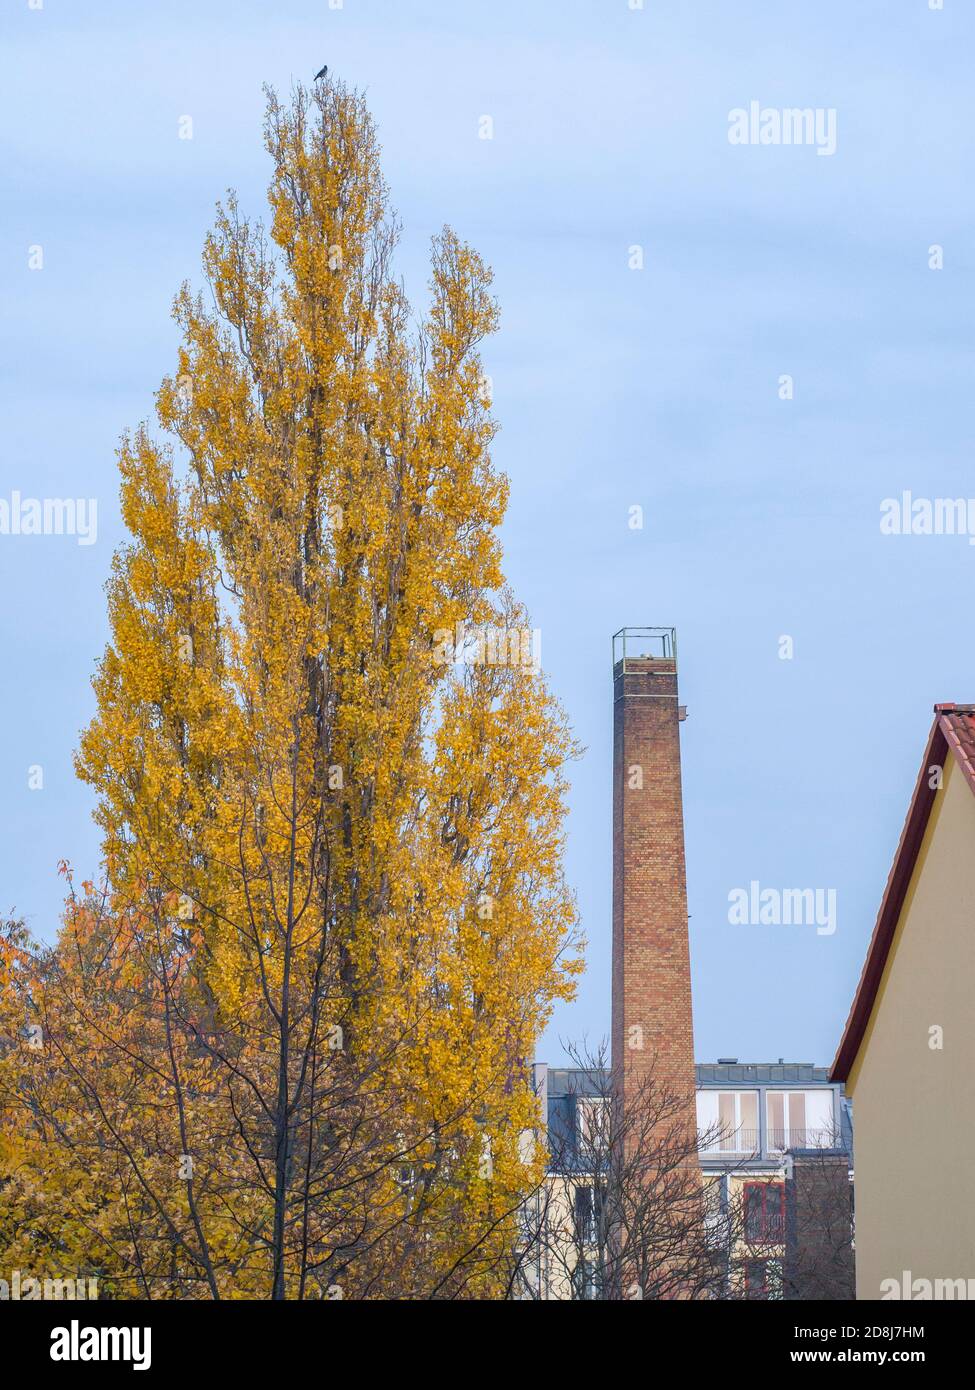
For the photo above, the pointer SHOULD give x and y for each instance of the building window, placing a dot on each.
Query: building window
(588, 1214)
(765, 1213)
(716, 1215)
(800, 1119)
(592, 1124)
(727, 1121)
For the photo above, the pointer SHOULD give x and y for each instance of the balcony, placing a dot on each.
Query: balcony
(781, 1139)
(747, 1142)
(765, 1230)
(742, 1141)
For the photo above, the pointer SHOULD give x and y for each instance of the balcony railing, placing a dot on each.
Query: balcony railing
(764, 1229)
(748, 1141)
(741, 1141)
(781, 1139)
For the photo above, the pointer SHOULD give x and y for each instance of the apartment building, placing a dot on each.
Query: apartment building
(778, 1139)
(774, 1144)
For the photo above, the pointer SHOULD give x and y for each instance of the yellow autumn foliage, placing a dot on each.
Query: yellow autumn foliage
(285, 1050)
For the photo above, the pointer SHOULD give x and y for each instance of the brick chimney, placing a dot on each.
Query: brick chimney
(651, 957)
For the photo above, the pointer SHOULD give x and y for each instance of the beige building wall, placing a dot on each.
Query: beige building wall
(914, 1104)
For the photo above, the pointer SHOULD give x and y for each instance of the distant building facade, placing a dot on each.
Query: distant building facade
(778, 1138)
(776, 1150)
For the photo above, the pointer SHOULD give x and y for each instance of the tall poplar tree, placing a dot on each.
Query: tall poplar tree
(289, 1040)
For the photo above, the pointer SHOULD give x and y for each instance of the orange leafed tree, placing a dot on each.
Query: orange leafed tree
(284, 1050)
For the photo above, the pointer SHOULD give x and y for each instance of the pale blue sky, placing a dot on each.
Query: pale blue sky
(613, 387)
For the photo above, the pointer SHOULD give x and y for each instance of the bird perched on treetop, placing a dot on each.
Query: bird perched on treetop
(322, 73)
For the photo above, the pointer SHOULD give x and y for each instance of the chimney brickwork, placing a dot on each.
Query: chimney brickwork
(651, 1008)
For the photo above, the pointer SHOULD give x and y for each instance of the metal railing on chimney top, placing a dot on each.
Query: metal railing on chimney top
(643, 644)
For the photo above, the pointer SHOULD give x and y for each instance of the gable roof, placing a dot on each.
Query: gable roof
(954, 728)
